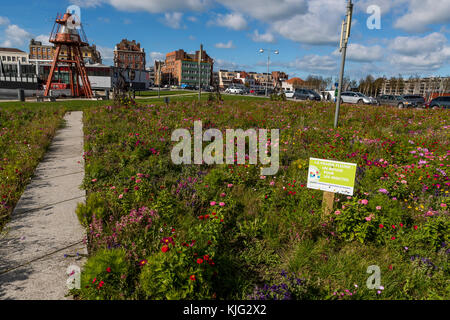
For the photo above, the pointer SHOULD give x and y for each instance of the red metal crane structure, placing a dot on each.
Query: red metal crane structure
(67, 35)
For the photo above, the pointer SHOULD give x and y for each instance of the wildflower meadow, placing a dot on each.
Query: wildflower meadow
(157, 230)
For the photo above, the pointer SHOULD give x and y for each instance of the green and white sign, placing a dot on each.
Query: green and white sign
(331, 176)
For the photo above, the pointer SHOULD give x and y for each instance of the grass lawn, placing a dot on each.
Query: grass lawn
(154, 93)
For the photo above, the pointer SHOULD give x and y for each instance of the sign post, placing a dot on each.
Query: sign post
(331, 177)
(345, 34)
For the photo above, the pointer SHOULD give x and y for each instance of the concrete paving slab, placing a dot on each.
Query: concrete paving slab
(44, 226)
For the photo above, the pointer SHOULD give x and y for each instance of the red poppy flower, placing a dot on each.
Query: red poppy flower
(393, 227)
(381, 226)
(199, 261)
(201, 217)
(206, 257)
(192, 277)
(393, 238)
(95, 279)
(415, 227)
(165, 249)
(108, 270)
(401, 224)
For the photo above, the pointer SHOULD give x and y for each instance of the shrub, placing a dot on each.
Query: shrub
(104, 276)
(95, 206)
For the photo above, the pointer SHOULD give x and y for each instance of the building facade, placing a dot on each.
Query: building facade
(13, 56)
(183, 68)
(419, 86)
(41, 53)
(129, 55)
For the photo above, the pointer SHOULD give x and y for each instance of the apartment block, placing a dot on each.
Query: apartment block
(183, 68)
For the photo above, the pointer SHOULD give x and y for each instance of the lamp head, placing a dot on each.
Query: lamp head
(276, 52)
(261, 50)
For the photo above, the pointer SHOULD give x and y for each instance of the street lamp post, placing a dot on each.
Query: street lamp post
(268, 63)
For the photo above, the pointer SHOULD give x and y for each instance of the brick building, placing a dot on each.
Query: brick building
(129, 54)
(182, 68)
(41, 53)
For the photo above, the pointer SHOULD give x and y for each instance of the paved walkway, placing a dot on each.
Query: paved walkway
(44, 227)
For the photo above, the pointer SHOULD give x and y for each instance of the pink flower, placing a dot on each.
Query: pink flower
(94, 180)
(121, 196)
(222, 204)
(443, 205)
(364, 201)
(378, 207)
(368, 218)
(337, 212)
(272, 183)
(212, 203)
(230, 185)
(223, 194)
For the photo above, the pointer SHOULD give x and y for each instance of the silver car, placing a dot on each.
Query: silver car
(357, 98)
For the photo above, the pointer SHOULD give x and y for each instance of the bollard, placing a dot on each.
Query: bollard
(21, 95)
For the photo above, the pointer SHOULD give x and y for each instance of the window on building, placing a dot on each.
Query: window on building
(13, 59)
(24, 59)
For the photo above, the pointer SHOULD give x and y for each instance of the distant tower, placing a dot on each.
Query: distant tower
(66, 35)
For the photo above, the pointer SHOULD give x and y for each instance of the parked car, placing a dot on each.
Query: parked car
(289, 93)
(305, 94)
(404, 101)
(410, 101)
(439, 102)
(386, 100)
(356, 97)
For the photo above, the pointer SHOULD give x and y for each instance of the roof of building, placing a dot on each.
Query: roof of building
(292, 80)
(11, 50)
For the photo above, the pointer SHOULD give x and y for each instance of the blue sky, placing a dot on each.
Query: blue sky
(413, 39)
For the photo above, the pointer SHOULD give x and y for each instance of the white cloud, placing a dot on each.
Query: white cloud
(44, 39)
(192, 19)
(4, 21)
(156, 56)
(235, 21)
(87, 3)
(428, 53)
(385, 5)
(228, 45)
(158, 6)
(107, 54)
(173, 20)
(267, 10)
(15, 36)
(315, 63)
(319, 26)
(415, 45)
(423, 13)
(263, 37)
(229, 65)
(360, 53)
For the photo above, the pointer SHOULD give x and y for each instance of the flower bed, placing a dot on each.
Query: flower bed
(157, 230)
(25, 134)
